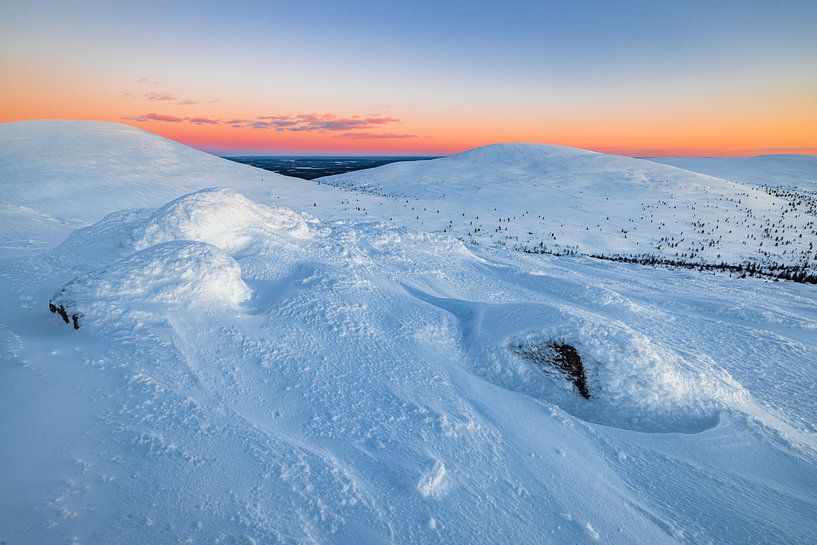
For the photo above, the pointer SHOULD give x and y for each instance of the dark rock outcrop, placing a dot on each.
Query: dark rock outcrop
(562, 356)
(63, 313)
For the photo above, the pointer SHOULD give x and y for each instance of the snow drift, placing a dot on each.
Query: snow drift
(182, 252)
(221, 217)
(174, 273)
(634, 382)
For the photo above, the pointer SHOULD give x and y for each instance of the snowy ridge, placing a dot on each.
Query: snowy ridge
(292, 366)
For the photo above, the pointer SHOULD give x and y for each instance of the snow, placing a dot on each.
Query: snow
(434, 482)
(44, 165)
(221, 217)
(784, 170)
(557, 199)
(287, 365)
(171, 273)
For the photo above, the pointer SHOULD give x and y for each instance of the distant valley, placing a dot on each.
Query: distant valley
(311, 167)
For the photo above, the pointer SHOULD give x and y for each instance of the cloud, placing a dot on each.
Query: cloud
(380, 120)
(173, 119)
(316, 122)
(202, 121)
(278, 122)
(159, 96)
(333, 125)
(157, 117)
(348, 127)
(373, 136)
(187, 102)
(274, 117)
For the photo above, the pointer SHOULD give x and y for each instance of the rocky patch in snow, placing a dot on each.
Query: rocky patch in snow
(562, 356)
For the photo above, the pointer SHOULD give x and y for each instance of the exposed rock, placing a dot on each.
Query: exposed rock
(62, 313)
(561, 356)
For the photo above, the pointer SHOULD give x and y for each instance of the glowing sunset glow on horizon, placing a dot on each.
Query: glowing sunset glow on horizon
(265, 78)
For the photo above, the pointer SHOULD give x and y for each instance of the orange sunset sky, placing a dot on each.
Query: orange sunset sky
(634, 78)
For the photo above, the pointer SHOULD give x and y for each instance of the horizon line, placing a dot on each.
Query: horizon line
(226, 150)
(633, 153)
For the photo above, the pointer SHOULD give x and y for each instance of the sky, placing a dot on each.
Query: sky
(640, 78)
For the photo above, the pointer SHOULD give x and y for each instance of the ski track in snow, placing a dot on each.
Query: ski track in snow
(341, 379)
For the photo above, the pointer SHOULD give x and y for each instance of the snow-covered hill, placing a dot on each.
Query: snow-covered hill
(58, 175)
(85, 170)
(787, 171)
(295, 367)
(556, 199)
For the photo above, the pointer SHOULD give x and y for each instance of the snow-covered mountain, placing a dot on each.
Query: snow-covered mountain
(293, 364)
(785, 170)
(556, 199)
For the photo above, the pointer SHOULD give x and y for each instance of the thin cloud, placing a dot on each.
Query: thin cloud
(157, 117)
(174, 119)
(351, 127)
(187, 102)
(202, 121)
(380, 120)
(278, 122)
(373, 136)
(316, 122)
(274, 117)
(159, 96)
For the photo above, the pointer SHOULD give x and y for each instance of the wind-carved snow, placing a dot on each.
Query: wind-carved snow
(634, 382)
(221, 217)
(182, 273)
(182, 253)
(434, 482)
(253, 374)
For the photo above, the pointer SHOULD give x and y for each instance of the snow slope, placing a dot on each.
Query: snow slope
(85, 170)
(251, 371)
(57, 175)
(556, 199)
(789, 171)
